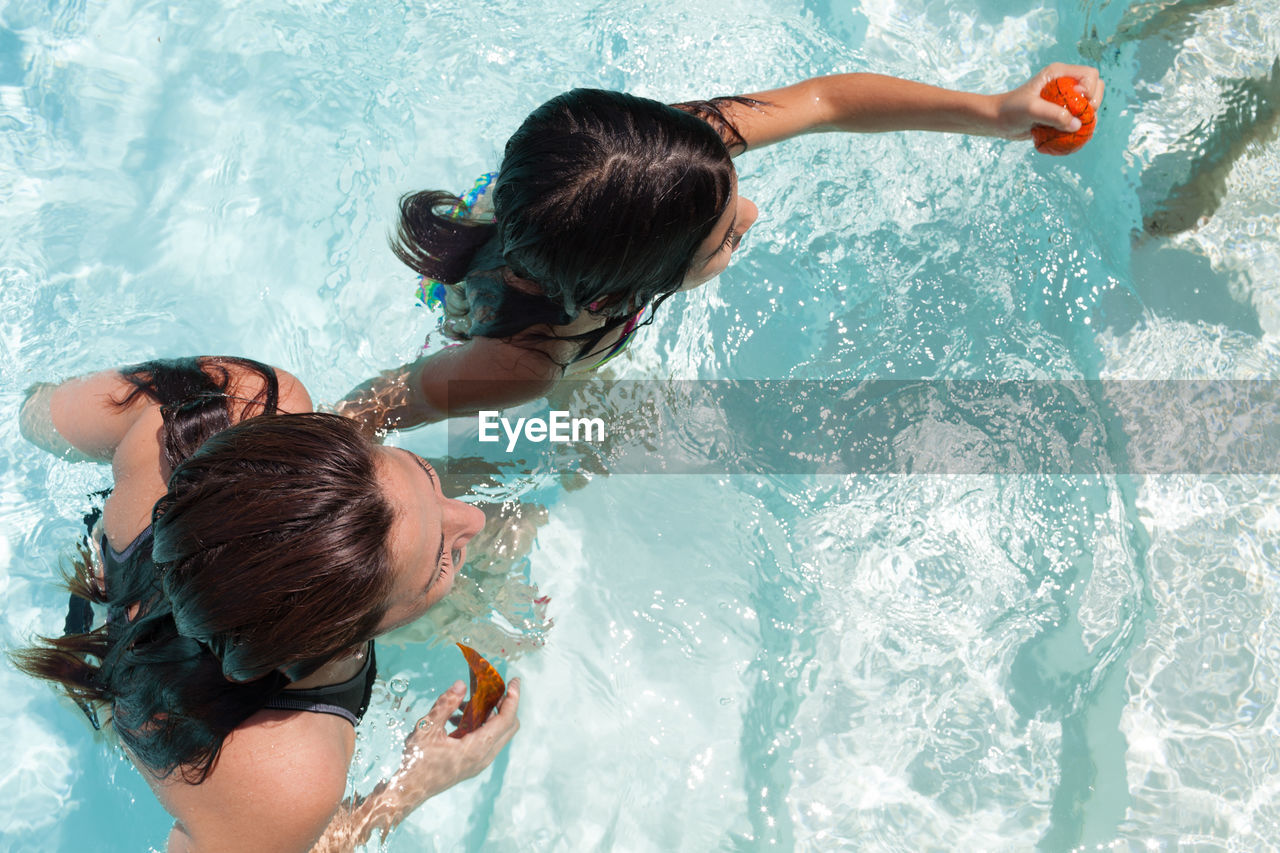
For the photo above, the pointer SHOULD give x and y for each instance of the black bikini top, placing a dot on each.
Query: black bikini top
(348, 700)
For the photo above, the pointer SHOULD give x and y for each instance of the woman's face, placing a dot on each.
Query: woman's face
(713, 255)
(428, 538)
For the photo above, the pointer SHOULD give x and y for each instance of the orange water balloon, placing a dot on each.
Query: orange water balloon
(487, 688)
(1050, 140)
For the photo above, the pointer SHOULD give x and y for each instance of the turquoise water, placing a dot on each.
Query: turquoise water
(868, 663)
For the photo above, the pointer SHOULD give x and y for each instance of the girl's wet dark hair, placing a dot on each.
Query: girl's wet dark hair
(271, 556)
(602, 200)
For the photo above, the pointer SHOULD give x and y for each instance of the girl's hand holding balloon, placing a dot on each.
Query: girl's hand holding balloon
(1027, 111)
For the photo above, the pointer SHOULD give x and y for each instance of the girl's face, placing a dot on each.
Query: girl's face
(713, 255)
(428, 538)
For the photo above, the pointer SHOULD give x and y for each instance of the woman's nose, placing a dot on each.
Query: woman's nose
(747, 215)
(468, 520)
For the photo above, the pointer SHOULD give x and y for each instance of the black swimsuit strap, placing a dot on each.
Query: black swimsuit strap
(349, 699)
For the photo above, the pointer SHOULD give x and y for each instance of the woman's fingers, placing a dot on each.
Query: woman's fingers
(489, 739)
(505, 715)
(510, 701)
(433, 761)
(433, 723)
(500, 726)
(483, 745)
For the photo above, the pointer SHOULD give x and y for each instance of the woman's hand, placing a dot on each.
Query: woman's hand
(434, 761)
(1018, 110)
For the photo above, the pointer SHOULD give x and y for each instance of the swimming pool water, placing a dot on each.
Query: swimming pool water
(897, 662)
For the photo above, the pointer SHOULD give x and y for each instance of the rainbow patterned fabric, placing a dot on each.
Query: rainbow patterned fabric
(476, 205)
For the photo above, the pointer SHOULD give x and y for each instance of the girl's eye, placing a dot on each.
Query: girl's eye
(730, 241)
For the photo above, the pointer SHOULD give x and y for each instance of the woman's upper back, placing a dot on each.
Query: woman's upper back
(133, 436)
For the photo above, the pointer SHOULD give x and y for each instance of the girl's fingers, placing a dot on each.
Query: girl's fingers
(1046, 112)
(1099, 90)
(1091, 82)
(1064, 120)
(1050, 71)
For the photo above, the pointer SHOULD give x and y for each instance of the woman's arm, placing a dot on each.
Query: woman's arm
(78, 419)
(482, 373)
(874, 103)
(81, 418)
(279, 782)
(433, 761)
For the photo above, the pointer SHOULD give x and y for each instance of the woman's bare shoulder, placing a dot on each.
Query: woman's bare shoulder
(247, 384)
(281, 773)
(85, 417)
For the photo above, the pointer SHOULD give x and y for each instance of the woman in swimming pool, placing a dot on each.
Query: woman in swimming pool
(605, 205)
(250, 552)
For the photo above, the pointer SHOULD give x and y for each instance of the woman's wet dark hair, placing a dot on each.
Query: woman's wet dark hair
(602, 199)
(271, 556)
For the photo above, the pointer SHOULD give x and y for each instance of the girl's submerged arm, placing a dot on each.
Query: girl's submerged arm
(874, 103)
(483, 373)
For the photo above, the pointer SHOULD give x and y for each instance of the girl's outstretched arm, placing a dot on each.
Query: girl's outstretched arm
(874, 103)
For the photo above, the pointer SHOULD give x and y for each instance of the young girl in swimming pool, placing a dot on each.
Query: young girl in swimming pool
(607, 204)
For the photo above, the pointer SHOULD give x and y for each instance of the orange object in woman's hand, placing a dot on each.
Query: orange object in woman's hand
(1050, 140)
(487, 688)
